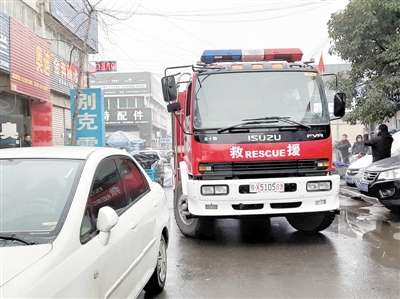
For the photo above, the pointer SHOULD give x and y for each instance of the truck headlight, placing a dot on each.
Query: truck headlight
(319, 186)
(214, 190)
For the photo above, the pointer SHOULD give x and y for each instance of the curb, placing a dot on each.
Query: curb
(346, 191)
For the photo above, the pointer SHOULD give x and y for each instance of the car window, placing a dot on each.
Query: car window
(132, 179)
(107, 190)
(34, 195)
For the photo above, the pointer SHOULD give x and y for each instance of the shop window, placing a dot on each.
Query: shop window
(131, 102)
(113, 103)
(123, 103)
(140, 102)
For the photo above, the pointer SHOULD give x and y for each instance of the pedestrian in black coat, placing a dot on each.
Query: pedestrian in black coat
(27, 141)
(380, 144)
(358, 149)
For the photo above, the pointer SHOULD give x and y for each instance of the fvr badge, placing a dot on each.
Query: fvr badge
(90, 128)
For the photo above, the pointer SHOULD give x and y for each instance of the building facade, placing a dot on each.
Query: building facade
(40, 44)
(133, 103)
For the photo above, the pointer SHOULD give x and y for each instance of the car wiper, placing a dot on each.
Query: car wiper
(248, 122)
(14, 237)
(285, 119)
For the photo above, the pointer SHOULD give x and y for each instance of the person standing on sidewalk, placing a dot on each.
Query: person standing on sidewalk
(343, 146)
(380, 144)
(358, 149)
(27, 141)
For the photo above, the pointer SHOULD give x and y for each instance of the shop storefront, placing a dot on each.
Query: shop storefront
(25, 106)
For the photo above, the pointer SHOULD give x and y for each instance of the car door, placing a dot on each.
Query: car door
(138, 190)
(119, 274)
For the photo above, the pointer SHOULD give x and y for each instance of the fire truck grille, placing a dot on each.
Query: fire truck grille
(243, 170)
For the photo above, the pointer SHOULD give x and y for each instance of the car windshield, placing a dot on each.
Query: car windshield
(226, 99)
(35, 193)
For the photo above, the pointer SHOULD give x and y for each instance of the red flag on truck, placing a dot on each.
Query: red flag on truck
(321, 65)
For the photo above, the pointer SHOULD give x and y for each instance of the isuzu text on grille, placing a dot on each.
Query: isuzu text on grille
(264, 137)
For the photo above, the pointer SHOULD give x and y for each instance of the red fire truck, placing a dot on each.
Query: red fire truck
(252, 137)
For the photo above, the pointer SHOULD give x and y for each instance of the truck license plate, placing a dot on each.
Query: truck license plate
(363, 187)
(267, 187)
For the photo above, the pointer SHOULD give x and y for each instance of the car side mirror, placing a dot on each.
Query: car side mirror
(106, 220)
(168, 85)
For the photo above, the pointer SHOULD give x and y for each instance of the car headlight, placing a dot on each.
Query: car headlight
(390, 174)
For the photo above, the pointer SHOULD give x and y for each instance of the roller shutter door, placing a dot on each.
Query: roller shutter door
(58, 126)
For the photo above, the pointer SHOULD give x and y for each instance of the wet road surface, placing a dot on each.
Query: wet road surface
(358, 256)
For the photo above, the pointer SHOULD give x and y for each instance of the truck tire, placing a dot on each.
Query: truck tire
(190, 227)
(311, 222)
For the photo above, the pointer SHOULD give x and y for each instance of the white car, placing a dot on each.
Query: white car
(80, 222)
(355, 169)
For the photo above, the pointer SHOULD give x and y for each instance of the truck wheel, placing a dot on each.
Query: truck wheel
(190, 227)
(311, 222)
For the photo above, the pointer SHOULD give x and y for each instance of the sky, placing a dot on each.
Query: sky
(166, 33)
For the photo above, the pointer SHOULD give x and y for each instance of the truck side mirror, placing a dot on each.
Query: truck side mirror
(173, 107)
(339, 104)
(169, 89)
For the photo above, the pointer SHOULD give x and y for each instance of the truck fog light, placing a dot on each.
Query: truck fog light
(222, 189)
(207, 190)
(320, 202)
(386, 192)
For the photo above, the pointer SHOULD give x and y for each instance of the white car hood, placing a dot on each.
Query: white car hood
(15, 259)
(361, 163)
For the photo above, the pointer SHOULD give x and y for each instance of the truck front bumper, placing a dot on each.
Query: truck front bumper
(237, 203)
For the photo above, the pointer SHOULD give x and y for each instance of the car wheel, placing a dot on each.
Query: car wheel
(157, 281)
(190, 227)
(311, 222)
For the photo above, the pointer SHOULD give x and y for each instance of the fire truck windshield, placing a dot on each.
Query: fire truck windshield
(226, 99)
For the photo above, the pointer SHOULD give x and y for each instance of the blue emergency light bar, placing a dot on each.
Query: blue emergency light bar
(282, 54)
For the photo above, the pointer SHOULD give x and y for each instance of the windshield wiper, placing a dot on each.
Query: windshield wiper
(14, 237)
(248, 122)
(285, 119)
